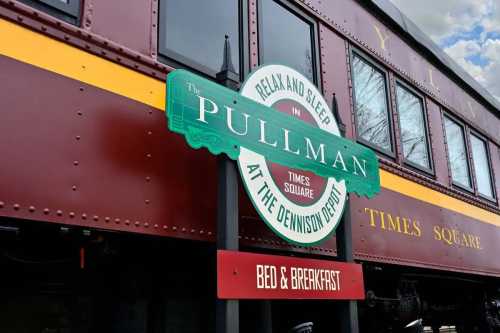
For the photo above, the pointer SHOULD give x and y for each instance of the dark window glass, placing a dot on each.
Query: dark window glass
(66, 10)
(481, 166)
(286, 39)
(412, 123)
(372, 117)
(192, 32)
(457, 153)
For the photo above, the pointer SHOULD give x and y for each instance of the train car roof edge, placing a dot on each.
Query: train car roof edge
(387, 8)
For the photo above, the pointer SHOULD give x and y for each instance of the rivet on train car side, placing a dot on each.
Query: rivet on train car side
(16, 207)
(75, 163)
(174, 228)
(46, 211)
(127, 222)
(147, 202)
(31, 209)
(107, 219)
(71, 214)
(2, 204)
(165, 227)
(59, 213)
(117, 221)
(84, 216)
(95, 218)
(137, 223)
(146, 224)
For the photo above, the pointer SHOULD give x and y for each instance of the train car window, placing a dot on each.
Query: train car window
(192, 33)
(371, 109)
(412, 123)
(286, 38)
(66, 10)
(457, 153)
(481, 166)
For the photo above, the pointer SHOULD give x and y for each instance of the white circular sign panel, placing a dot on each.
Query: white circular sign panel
(307, 208)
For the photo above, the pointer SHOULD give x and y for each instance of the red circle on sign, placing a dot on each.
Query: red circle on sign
(299, 186)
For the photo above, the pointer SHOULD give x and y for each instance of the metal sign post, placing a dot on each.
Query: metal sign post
(227, 311)
(345, 251)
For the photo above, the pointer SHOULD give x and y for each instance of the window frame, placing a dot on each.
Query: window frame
(483, 139)
(301, 14)
(69, 12)
(406, 86)
(457, 121)
(353, 51)
(177, 60)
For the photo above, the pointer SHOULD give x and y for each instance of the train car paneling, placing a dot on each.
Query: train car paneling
(93, 158)
(334, 67)
(350, 18)
(435, 125)
(395, 228)
(98, 154)
(126, 22)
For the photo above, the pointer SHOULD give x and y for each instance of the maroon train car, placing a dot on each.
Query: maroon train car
(108, 221)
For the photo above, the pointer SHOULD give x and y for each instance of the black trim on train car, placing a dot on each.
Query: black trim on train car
(455, 184)
(490, 166)
(176, 60)
(427, 171)
(69, 12)
(301, 14)
(392, 153)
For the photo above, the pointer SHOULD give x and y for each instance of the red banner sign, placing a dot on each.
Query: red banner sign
(243, 275)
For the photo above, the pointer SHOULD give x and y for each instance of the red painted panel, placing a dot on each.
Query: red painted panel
(242, 275)
(334, 66)
(397, 229)
(75, 154)
(126, 22)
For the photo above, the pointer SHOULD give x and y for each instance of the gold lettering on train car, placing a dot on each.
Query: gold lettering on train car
(431, 79)
(471, 109)
(381, 36)
(456, 237)
(379, 219)
(394, 224)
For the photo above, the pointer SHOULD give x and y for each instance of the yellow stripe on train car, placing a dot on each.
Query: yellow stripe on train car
(41, 51)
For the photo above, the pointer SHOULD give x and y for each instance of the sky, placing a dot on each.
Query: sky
(468, 30)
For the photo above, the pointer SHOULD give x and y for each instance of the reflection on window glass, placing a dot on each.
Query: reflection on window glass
(286, 38)
(196, 30)
(457, 153)
(372, 118)
(481, 166)
(411, 119)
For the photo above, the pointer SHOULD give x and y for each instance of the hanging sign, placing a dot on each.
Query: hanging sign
(295, 167)
(243, 275)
